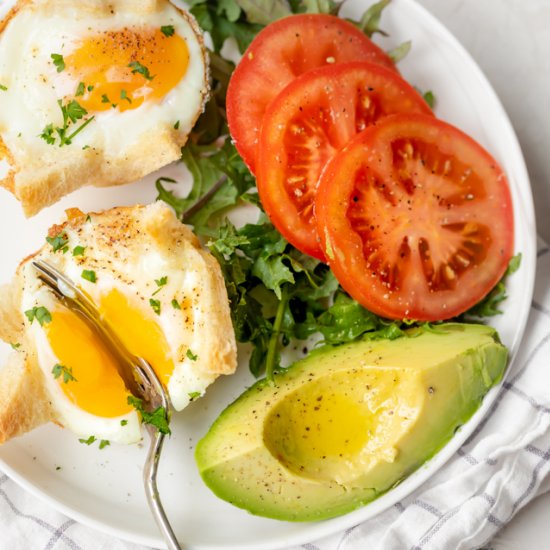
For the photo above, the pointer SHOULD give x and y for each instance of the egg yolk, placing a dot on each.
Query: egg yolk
(97, 387)
(141, 335)
(126, 67)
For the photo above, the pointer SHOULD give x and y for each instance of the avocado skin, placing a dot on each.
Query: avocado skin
(418, 390)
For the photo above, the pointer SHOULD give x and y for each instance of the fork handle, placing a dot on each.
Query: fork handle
(151, 491)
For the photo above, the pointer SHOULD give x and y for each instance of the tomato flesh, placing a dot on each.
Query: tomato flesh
(310, 120)
(282, 51)
(416, 219)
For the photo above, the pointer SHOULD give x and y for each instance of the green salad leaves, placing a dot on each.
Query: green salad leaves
(278, 296)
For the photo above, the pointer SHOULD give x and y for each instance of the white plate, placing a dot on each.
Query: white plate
(103, 488)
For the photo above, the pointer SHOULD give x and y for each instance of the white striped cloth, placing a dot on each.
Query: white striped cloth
(502, 466)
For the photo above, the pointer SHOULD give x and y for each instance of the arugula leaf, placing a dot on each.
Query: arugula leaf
(490, 305)
(264, 12)
(208, 165)
(370, 20)
(317, 6)
(400, 52)
(343, 322)
(429, 98)
(213, 19)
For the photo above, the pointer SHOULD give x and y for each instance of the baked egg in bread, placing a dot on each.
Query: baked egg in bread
(158, 289)
(94, 92)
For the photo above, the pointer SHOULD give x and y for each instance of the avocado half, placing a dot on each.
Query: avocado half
(347, 423)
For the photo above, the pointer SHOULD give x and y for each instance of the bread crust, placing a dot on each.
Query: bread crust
(24, 403)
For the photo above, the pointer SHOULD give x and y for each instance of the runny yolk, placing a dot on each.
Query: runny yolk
(98, 388)
(126, 67)
(141, 335)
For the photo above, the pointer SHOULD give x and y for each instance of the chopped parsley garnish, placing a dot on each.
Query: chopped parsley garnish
(67, 373)
(40, 313)
(160, 283)
(79, 250)
(72, 112)
(105, 99)
(158, 418)
(88, 218)
(124, 95)
(81, 88)
(59, 242)
(194, 395)
(89, 275)
(90, 88)
(167, 30)
(88, 441)
(48, 134)
(104, 443)
(155, 304)
(191, 355)
(15, 345)
(177, 125)
(3, 88)
(137, 67)
(175, 304)
(58, 61)
(123, 422)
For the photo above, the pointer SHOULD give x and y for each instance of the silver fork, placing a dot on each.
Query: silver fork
(138, 376)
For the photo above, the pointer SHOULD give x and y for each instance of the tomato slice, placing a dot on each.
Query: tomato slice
(281, 52)
(416, 219)
(310, 120)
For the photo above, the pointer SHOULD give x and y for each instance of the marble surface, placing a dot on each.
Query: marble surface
(510, 40)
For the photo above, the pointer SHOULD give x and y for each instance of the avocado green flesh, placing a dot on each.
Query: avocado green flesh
(347, 423)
